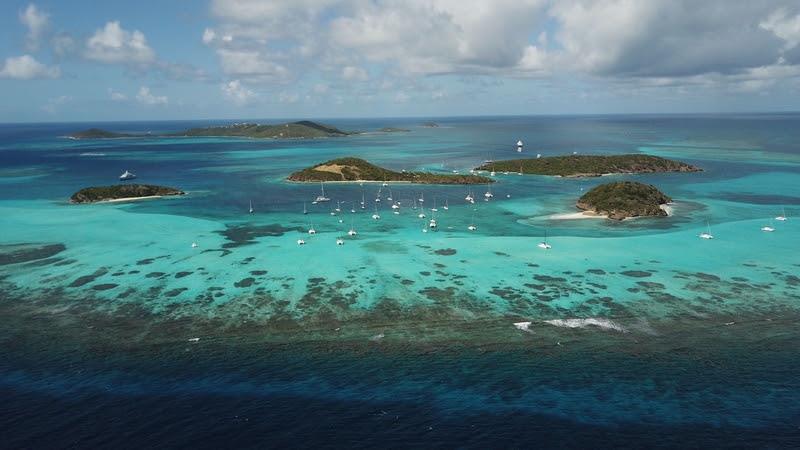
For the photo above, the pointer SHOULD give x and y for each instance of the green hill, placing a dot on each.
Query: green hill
(121, 191)
(624, 199)
(97, 133)
(356, 169)
(589, 165)
(304, 129)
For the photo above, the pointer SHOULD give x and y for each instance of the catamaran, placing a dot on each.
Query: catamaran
(126, 176)
(544, 245)
(488, 194)
(707, 234)
(321, 198)
(376, 216)
(251, 207)
(311, 229)
(352, 231)
(472, 226)
(445, 207)
(469, 197)
(339, 241)
(768, 228)
(782, 217)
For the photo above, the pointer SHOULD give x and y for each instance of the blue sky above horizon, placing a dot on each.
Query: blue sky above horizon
(120, 60)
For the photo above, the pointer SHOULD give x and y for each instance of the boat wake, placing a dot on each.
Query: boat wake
(604, 324)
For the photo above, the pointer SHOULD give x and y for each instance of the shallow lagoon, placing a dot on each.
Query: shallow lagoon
(102, 300)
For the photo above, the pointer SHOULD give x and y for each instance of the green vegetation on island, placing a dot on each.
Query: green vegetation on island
(590, 165)
(120, 192)
(97, 133)
(356, 169)
(623, 199)
(304, 129)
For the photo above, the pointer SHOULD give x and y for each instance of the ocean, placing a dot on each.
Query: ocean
(117, 332)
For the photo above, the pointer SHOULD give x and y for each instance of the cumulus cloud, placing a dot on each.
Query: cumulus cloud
(36, 21)
(145, 97)
(26, 67)
(114, 44)
(237, 93)
(53, 104)
(358, 45)
(117, 96)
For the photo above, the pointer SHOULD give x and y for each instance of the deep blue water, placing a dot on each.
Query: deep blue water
(707, 358)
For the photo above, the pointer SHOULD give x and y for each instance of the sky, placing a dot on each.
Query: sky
(230, 59)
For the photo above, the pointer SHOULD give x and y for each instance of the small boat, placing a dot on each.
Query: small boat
(353, 207)
(301, 242)
(338, 206)
(305, 211)
(321, 197)
(339, 241)
(126, 176)
(707, 234)
(519, 146)
(422, 197)
(395, 206)
(472, 226)
(363, 203)
(469, 197)
(445, 207)
(352, 231)
(251, 207)
(492, 173)
(782, 217)
(376, 216)
(434, 209)
(768, 228)
(432, 224)
(421, 215)
(311, 230)
(544, 245)
(194, 244)
(389, 198)
(488, 194)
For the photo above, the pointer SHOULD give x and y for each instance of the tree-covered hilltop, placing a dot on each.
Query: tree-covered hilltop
(303, 129)
(623, 199)
(121, 191)
(97, 133)
(356, 169)
(589, 165)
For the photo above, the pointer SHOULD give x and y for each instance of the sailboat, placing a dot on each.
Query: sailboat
(301, 242)
(251, 207)
(434, 209)
(469, 197)
(389, 198)
(768, 228)
(376, 216)
(339, 241)
(363, 203)
(338, 206)
(445, 207)
(488, 193)
(311, 229)
(544, 245)
(422, 197)
(353, 207)
(707, 234)
(321, 198)
(352, 231)
(472, 226)
(421, 215)
(782, 217)
(305, 210)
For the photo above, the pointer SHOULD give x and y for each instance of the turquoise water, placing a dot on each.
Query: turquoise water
(637, 327)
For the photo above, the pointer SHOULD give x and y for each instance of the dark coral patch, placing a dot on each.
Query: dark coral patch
(104, 286)
(246, 282)
(240, 235)
(183, 274)
(636, 273)
(20, 253)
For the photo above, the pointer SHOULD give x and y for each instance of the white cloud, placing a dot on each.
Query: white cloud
(251, 65)
(286, 97)
(52, 105)
(117, 96)
(209, 35)
(351, 73)
(114, 44)
(401, 97)
(26, 67)
(784, 26)
(145, 97)
(237, 93)
(37, 22)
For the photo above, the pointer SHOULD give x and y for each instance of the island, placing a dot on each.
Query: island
(352, 169)
(623, 199)
(304, 129)
(589, 165)
(97, 133)
(122, 192)
(394, 130)
(430, 125)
